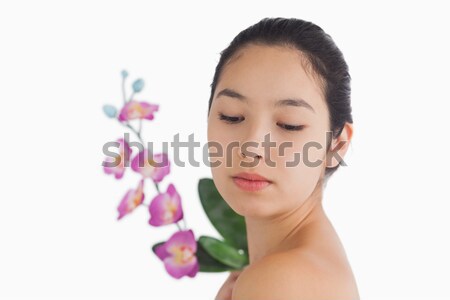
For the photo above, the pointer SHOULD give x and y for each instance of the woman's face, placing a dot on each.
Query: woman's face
(263, 75)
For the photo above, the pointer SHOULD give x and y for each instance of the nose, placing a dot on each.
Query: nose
(252, 143)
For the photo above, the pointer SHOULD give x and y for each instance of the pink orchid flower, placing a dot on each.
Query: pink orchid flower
(178, 254)
(151, 166)
(166, 208)
(137, 110)
(132, 199)
(119, 160)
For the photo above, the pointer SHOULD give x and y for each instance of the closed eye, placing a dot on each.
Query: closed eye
(292, 127)
(235, 120)
(228, 119)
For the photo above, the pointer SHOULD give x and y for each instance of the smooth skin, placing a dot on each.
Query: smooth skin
(294, 251)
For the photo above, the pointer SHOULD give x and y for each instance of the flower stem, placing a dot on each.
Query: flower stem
(138, 134)
(179, 227)
(157, 187)
(131, 96)
(123, 90)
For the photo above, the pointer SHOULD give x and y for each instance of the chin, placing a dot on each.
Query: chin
(250, 204)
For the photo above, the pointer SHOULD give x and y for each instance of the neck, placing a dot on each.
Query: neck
(287, 231)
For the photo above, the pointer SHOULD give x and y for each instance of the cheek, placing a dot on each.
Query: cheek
(217, 149)
(299, 181)
(218, 140)
(299, 172)
(304, 152)
(225, 143)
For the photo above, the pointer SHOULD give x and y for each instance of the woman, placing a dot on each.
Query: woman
(279, 88)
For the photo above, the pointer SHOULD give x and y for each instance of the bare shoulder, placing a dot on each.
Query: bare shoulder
(294, 275)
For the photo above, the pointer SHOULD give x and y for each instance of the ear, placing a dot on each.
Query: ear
(339, 146)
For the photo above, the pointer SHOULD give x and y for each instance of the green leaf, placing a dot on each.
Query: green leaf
(209, 263)
(223, 252)
(228, 223)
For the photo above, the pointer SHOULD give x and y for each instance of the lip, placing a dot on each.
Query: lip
(251, 181)
(251, 176)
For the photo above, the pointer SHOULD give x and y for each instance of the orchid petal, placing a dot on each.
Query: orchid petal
(166, 208)
(151, 166)
(137, 110)
(178, 254)
(132, 199)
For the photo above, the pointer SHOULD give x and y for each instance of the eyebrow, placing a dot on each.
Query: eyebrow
(297, 102)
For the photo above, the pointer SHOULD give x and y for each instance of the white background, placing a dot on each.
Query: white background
(60, 62)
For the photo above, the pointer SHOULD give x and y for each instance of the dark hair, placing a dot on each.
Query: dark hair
(319, 52)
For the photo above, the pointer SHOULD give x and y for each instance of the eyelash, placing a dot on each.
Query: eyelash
(234, 120)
